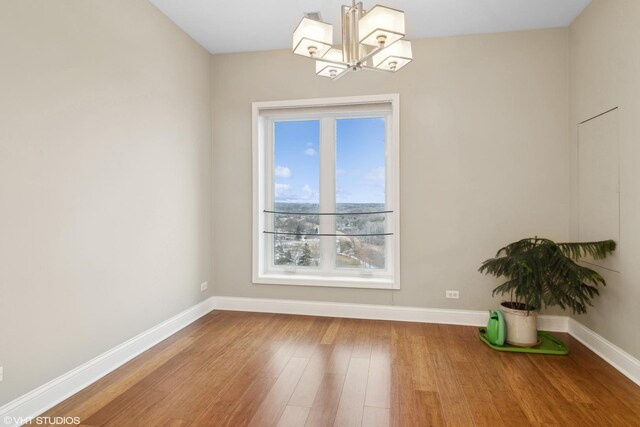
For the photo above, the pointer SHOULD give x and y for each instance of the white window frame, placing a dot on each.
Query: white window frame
(264, 114)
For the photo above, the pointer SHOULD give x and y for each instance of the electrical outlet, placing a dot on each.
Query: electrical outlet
(204, 286)
(452, 294)
(1, 373)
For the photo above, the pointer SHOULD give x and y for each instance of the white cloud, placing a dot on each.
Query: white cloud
(283, 172)
(308, 193)
(289, 193)
(376, 174)
(282, 189)
(342, 193)
(310, 152)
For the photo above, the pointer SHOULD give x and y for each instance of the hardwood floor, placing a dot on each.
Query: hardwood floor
(237, 369)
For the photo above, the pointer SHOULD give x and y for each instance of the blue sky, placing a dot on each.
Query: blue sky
(359, 161)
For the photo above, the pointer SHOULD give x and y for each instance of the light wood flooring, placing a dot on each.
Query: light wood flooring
(237, 369)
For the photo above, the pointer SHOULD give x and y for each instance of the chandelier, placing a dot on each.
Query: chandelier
(372, 40)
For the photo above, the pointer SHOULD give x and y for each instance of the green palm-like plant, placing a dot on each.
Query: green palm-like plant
(543, 273)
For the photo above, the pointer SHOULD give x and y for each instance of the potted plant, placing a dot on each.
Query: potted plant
(542, 273)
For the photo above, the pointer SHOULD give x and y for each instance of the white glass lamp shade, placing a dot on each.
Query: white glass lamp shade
(381, 26)
(393, 57)
(331, 69)
(312, 38)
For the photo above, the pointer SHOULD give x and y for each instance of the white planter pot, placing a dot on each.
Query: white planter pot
(522, 326)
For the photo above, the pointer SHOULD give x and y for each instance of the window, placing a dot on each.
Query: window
(326, 192)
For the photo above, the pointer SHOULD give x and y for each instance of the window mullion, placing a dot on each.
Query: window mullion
(327, 192)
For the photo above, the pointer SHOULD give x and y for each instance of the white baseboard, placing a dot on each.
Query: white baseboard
(50, 394)
(355, 311)
(612, 354)
(375, 312)
(553, 323)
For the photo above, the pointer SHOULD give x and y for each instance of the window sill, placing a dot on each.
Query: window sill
(325, 281)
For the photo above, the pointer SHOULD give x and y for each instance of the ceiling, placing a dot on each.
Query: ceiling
(250, 25)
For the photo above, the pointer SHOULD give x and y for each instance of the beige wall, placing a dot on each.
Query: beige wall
(105, 180)
(484, 158)
(605, 73)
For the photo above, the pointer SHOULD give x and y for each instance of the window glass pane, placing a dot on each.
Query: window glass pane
(360, 187)
(296, 169)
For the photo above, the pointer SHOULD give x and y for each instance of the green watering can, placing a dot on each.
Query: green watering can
(496, 329)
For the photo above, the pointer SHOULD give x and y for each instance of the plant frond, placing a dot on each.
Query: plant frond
(543, 273)
(595, 250)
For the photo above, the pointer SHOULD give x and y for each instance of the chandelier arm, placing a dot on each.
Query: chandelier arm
(347, 71)
(329, 61)
(381, 70)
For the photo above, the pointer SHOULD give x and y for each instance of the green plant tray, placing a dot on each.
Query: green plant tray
(548, 344)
